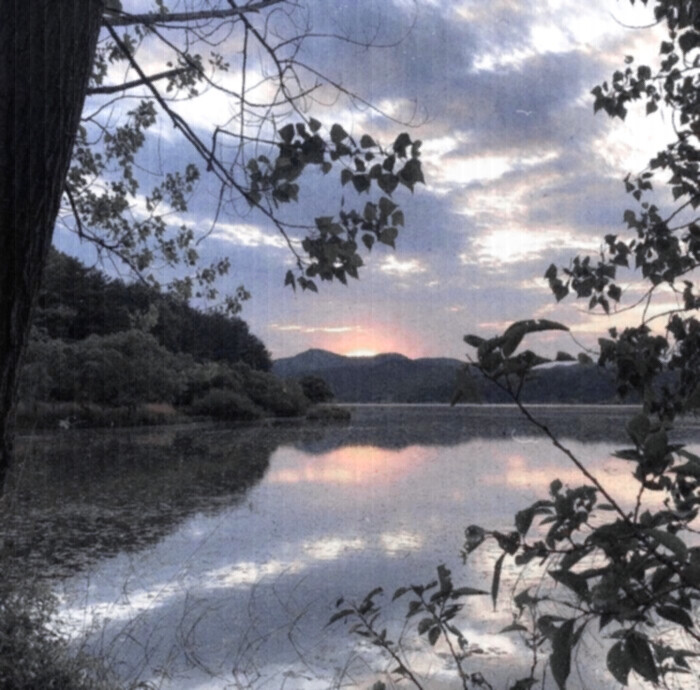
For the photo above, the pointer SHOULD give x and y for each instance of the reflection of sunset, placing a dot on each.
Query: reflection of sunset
(523, 473)
(353, 465)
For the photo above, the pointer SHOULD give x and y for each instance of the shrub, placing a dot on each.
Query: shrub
(226, 405)
(283, 398)
(33, 656)
(316, 389)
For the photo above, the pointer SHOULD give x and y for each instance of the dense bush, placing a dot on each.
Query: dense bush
(283, 398)
(118, 369)
(226, 405)
(76, 302)
(32, 655)
(316, 389)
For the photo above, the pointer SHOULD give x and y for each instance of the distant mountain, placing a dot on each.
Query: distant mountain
(387, 377)
(309, 361)
(396, 378)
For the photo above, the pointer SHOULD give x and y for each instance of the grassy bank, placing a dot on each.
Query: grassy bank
(33, 656)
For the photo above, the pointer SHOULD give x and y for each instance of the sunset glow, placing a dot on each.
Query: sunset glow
(361, 353)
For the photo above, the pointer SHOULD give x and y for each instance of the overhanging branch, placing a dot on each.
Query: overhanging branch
(152, 18)
(118, 88)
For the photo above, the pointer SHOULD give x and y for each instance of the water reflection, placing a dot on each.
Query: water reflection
(358, 465)
(236, 580)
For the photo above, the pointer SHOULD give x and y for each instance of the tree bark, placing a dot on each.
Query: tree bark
(46, 53)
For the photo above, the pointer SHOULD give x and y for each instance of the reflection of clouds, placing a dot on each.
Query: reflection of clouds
(525, 473)
(248, 573)
(399, 542)
(331, 548)
(520, 473)
(359, 465)
(127, 607)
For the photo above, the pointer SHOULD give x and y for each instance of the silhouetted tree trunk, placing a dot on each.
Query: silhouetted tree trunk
(46, 52)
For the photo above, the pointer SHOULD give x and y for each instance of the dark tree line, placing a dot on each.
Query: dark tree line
(76, 302)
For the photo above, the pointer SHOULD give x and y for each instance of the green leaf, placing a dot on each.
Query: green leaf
(399, 593)
(466, 592)
(433, 635)
(638, 428)
(560, 658)
(388, 182)
(340, 615)
(314, 125)
(628, 454)
(397, 218)
(496, 581)
(366, 141)
(688, 41)
(287, 133)
(411, 173)
(523, 520)
(618, 662)
(675, 614)
(338, 134)
(514, 334)
(387, 206)
(573, 581)
(474, 340)
(403, 141)
(656, 446)
(388, 235)
(424, 625)
(345, 176)
(289, 280)
(513, 627)
(361, 183)
(641, 658)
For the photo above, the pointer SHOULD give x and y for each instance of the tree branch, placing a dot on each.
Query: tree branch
(118, 88)
(153, 18)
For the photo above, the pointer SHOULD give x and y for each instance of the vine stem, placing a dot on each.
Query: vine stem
(368, 626)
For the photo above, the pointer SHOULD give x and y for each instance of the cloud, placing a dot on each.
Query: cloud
(519, 171)
(319, 329)
(247, 235)
(394, 266)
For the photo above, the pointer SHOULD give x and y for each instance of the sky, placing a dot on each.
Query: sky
(519, 173)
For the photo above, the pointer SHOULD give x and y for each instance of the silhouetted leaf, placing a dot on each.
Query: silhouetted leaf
(618, 662)
(641, 658)
(496, 581)
(560, 658)
(675, 614)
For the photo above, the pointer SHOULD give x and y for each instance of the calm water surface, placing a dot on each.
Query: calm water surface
(189, 575)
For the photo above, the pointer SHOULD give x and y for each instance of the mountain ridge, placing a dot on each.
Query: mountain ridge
(393, 377)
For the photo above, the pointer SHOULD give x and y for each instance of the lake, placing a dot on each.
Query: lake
(208, 557)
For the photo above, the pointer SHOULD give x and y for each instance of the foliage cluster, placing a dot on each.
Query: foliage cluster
(104, 343)
(32, 655)
(76, 302)
(252, 57)
(316, 389)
